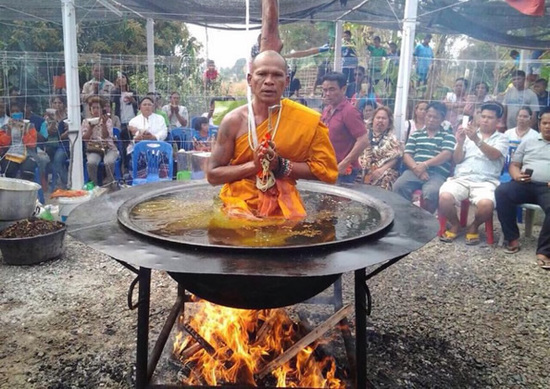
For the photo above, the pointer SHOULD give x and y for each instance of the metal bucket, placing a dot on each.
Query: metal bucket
(31, 250)
(17, 198)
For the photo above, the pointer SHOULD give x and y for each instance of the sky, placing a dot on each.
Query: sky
(224, 46)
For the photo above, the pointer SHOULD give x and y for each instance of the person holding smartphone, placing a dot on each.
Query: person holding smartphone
(530, 172)
(479, 157)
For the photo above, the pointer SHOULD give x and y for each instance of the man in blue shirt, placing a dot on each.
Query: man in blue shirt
(424, 55)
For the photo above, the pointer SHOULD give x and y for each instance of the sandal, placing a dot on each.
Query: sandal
(543, 261)
(511, 249)
(472, 239)
(448, 236)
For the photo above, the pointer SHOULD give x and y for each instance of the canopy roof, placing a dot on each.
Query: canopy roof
(488, 20)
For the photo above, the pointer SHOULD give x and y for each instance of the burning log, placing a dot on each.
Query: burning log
(190, 351)
(199, 339)
(305, 341)
(264, 330)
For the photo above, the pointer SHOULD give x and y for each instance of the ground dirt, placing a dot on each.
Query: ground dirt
(446, 316)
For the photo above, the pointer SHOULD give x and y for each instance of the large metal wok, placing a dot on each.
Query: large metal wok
(250, 278)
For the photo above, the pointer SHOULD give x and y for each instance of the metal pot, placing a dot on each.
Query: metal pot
(253, 292)
(17, 198)
(35, 249)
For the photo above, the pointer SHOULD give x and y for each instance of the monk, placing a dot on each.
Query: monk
(259, 165)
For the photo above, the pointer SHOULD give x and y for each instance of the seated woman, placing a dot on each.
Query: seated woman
(201, 140)
(56, 132)
(147, 125)
(416, 123)
(97, 134)
(16, 137)
(379, 161)
(523, 131)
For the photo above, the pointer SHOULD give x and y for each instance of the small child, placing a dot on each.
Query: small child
(210, 74)
(201, 140)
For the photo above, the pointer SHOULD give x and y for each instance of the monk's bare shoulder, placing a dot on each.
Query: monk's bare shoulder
(233, 123)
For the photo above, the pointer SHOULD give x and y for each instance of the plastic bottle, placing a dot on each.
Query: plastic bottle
(89, 186)
(46, 214)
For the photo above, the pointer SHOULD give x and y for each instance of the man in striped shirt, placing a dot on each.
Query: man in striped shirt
(427, 157)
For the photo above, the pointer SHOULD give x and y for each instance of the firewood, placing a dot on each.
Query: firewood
(190, 351)
(305, 341)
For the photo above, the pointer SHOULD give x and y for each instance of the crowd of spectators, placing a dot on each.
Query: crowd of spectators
(449, 150)
(461, 148)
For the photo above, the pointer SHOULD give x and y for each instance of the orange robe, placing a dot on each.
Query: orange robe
(301, 137)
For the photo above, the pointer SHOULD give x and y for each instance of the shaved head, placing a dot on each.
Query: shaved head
(268, 77)
(271, 57)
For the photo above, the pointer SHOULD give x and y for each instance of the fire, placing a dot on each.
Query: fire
(240, 343)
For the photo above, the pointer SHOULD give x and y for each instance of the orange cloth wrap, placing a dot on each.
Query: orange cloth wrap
(301, 137)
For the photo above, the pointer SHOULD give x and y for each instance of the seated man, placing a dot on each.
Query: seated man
(177, 114)
(479, 157)
(530, 183)
(427, 158)
(293, 144)
(259, 165)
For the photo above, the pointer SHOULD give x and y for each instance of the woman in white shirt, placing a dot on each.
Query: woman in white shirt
(147, 125)
(523, 130)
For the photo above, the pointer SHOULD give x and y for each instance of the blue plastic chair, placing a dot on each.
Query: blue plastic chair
(179, 136)
(193, 121)
(150, 161)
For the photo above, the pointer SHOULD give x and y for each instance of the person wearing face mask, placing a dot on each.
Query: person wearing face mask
(380, 158)
(17, 137)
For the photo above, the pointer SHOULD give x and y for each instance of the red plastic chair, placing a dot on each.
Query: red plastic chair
(464, 208)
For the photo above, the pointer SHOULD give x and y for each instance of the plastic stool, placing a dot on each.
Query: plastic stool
(464, 208)
(529, 217)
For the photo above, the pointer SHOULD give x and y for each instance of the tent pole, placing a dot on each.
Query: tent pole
(76, 167)
(151, 55)
(405, 62)
(339, 26)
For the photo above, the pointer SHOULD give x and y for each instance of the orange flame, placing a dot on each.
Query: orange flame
(244, 342)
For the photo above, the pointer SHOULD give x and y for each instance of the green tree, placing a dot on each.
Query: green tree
(124, 37)
(302, 36)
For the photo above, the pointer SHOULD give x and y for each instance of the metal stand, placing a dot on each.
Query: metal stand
(146, 365)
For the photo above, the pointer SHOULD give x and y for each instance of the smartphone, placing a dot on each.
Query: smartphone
(529, 172)
(104, 112)
(465, 121)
